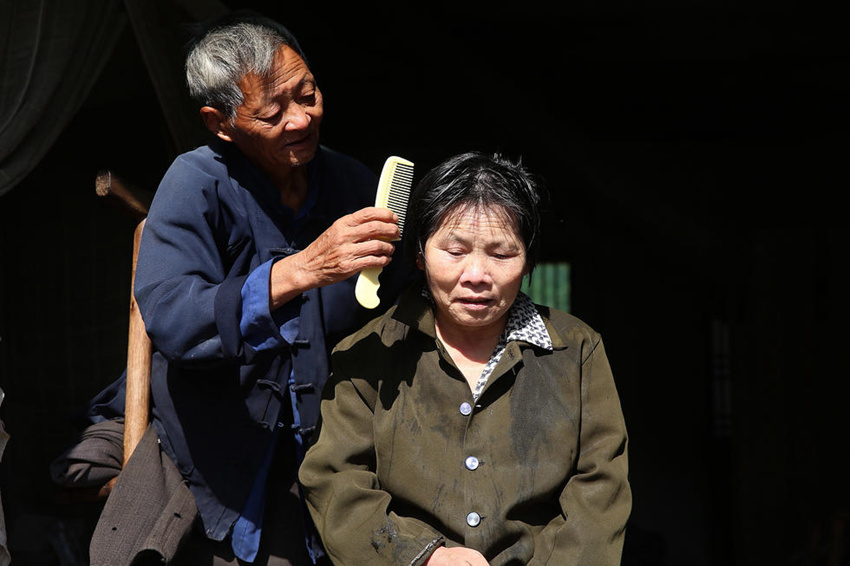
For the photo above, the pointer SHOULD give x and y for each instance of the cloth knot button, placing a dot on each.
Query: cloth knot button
(473, 519)
(471, 463)
(465, 409)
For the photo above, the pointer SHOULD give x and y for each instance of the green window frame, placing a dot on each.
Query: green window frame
(549, 285)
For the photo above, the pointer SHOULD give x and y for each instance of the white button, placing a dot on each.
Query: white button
(473, 519)
(465, 409)
(471, 463)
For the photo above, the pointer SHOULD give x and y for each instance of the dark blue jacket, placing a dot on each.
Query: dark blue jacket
(214, 220)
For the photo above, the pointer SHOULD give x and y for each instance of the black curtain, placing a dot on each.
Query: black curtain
(4, 551)
(51, 53)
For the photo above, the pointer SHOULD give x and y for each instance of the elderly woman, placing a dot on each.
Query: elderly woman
(469, 425)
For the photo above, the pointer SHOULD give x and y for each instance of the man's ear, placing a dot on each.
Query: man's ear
(216, 122)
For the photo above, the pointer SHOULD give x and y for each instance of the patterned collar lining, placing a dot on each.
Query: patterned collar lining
(524, 324)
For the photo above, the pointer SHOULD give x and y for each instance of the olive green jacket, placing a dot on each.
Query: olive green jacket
(390, 476)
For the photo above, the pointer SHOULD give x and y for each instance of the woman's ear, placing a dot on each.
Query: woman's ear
(216, 122)
(420, 261)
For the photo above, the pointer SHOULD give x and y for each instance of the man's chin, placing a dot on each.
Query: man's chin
(302, 151)
(303, 156)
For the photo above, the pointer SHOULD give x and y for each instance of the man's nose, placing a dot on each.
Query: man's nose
(297, 118)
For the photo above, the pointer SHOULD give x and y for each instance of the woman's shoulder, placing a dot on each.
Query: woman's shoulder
(381, 332)
(374, 345)
(566, 329)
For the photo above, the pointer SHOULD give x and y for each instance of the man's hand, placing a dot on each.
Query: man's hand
(456, 556)
(354, 242)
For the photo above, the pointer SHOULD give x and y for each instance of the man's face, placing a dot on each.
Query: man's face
(277, 125)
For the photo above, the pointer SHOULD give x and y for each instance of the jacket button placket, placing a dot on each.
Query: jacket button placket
(470, 463)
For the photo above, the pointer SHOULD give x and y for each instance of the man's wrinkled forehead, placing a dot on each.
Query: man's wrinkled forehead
(288, 71)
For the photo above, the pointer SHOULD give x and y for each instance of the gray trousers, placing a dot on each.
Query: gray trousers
(150, 517)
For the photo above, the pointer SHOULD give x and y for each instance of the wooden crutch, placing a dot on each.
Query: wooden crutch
(137, 400)
(138, 389)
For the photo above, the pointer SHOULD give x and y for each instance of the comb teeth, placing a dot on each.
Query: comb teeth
(394, 187)
(399, 192)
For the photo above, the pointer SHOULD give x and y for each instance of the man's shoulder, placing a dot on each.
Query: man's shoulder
(192, 177)
(336, 158)
(343, 168)
(200, 162)
(203, 157)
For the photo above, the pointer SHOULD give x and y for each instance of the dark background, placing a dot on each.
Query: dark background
(695, 158)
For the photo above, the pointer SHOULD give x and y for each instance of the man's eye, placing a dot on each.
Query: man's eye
(272, 117)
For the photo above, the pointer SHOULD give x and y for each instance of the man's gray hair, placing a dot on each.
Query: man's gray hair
(226, 52)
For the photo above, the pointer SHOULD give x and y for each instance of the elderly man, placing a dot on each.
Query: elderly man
(244, 281)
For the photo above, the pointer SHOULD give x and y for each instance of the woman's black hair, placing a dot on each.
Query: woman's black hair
(479, 180)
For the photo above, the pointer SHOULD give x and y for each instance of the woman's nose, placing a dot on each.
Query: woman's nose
(475, 270)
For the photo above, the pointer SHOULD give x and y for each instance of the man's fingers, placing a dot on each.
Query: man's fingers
(372, 222)
(373, 253)
(350, 266)
(378, 231)
(354, 242)
(349, 229)
(373, 247)
(342, 259)
(372, 213)
(364, 262)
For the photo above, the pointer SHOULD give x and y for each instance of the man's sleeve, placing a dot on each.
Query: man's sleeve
(262, 329)
(191, 309)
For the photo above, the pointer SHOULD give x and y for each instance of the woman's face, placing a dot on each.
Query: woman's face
(474, 264)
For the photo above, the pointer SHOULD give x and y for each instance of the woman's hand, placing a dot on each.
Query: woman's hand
(456, 556)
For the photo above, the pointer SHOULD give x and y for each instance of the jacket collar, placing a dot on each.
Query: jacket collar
(525, 324)
(416, 311)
